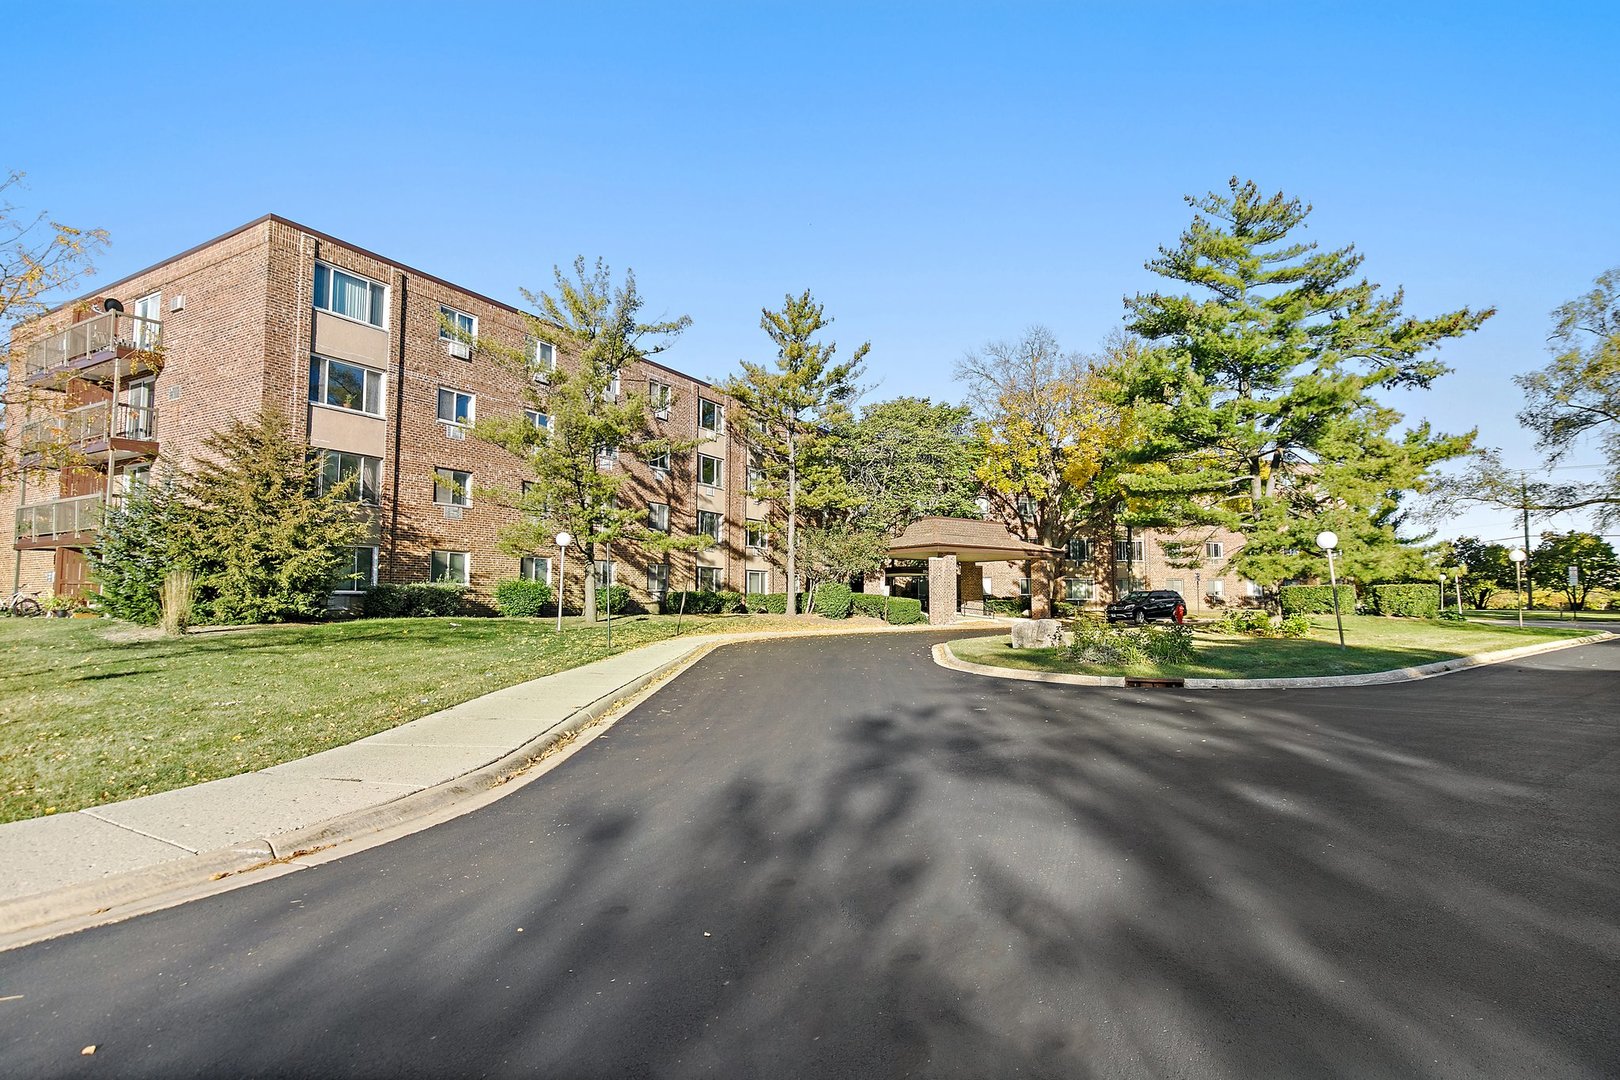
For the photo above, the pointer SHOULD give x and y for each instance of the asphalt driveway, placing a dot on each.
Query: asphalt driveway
(829, 857)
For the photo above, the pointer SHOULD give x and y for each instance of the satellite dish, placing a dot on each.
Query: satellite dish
(110, 304)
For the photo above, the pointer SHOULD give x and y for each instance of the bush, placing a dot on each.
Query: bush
(415, 601)
(615, 598)
(1294, 626)
(871, 604)
(1013, 606)
(1316, 599)
(1452, 615)
(1250, 621)
(1418, 601)
(142, 541)
(904, 611)
(517, 597)
(1097, 642)
(704, 602)
(833, 600)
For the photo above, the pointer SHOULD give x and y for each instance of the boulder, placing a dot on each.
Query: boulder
(1037, 634)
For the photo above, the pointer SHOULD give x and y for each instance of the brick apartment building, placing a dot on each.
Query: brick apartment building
(350, 346)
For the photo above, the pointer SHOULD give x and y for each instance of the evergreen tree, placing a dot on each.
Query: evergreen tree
(141, 540)
(790, 416)
(1260, 394)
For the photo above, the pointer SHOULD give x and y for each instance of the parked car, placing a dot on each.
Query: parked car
(1144, 604)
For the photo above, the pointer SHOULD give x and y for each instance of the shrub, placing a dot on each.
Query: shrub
(1006, 605)
(774, 603)
(1294, 626)
(142, 540)
(1316, 599)
(179, 593)
(518, 597)
(904, 611)
(872, 604)
(1065, 609)
(615, 598)
(1452, 615)
(1250, 621)
(703, 602)
(833, 600)
(1419, 601)
(414, 601)
(1097, 642)
(1166, 644)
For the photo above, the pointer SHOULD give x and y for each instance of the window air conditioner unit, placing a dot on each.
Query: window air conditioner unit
(178, 303)
(662, 414)
(458, 349)
(452, 513)
(454, 431)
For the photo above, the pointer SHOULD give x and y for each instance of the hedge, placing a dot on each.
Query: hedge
(833, 600)
(1414, 600)
(519, 597)
(703, 602)
(904, 611)
(616, 595)
(1015, 605)
(412, 601)
(772, 603)
(1316, 599)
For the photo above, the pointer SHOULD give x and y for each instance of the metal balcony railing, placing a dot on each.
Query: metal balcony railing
(60, 517)
(114, 330)
(88, 424)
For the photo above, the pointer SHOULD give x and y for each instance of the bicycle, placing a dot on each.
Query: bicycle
(21, 605)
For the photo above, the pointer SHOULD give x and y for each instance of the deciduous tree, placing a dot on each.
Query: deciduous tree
(1592, 556)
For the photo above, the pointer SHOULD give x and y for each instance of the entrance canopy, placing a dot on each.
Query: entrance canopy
(969, 539)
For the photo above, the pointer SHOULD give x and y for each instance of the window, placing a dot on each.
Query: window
(709, 471)
(659, 396)
(338, 466)
(607, 457)
(149, 307)
(1128, 551)
(452, 488)
(658, 579)
(756, 534)
(1214, 549)
(448, 566)
(359, 570)
(710, 415)
(1078, 590)
(708, 579)
(345, 386)
(756, 471)
(1025, 506)
(708, 524)
(350, 295)
(1077, 550)
(1175, 584)
(658, 462)
(460, 325)
(1252, 590)
(456, 407)
(658, 516)
(542, 359)
(759, 581)
(1023, 586)
(604, 574)
(539, 419)
(613, 388)
(535, 568)
(1217, 588)
(134, 478)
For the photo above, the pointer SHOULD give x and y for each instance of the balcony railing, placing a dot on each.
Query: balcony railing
(90, 424)
(79, 516)
(114, 331)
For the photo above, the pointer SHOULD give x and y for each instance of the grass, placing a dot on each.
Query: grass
(1374, 644)
(93, 711)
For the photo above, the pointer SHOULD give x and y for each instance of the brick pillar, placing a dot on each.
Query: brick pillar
(972, 582)
(942, 590)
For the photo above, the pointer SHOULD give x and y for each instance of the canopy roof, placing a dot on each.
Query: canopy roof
(971, 540)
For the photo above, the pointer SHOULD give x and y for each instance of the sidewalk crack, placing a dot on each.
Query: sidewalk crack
(138, 832)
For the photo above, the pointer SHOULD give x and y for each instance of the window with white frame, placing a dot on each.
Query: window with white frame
(758, 581)
(710, 415)
(148, 312)
(1023, 587)
(710, 471)
(604, 573)
(658, 579)
(708, 579)
(1077, 550)
(350, 295)
(1175, 584)
(1252, 589)
(756, 471)
(1025, 506)
(449, 567)
(540, 420)
(1216, 588)
(708, 524)
(1214, 549)
(345, 386)
(607, 457)
(338, 466)
(659, 396)
(1128, 551)
(756, 534)
(1078, 590)
(359, 570)
(658, 516)
(456, 328)
(542, 360)
(456, 407)
(535, 568)
(451, 487)
(658, 461)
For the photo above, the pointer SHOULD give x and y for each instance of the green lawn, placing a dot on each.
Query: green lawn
(1374, 644)
(93, 711)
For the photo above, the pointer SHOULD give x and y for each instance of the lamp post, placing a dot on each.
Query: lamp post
(1518, 556)
(563, 540)
(1327, 541)
(1461, 570)
(1441, 609)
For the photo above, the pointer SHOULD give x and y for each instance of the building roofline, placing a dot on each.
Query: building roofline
(329, 238)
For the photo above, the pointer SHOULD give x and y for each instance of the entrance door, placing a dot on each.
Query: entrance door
(72, 572)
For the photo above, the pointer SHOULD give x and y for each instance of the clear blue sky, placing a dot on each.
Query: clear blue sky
(940, 174)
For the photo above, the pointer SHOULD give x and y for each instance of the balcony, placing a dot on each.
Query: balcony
(101, 348)
(60, 522)
(91, 431)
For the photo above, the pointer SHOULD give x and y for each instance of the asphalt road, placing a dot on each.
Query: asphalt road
(831, 858)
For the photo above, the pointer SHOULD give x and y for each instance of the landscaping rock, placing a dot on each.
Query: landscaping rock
(1037, 634)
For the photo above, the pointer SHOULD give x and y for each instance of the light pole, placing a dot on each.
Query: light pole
(1327, 541)
(1442, 608)
(1461, 570)
(563, 540)
(1518, 556)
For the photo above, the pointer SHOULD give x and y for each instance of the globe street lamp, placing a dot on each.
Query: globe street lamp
(1327, 541)
(1518, 556)
(563, 540)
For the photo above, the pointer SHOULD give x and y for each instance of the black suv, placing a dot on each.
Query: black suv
(1140, 606)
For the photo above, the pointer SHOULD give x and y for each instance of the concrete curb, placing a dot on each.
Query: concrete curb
(40, 916)
(945, 658)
